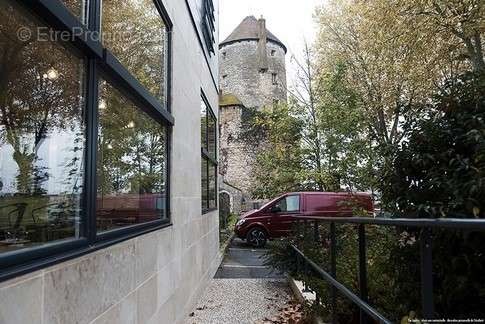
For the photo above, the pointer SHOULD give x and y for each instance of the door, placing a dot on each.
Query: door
(282, 215)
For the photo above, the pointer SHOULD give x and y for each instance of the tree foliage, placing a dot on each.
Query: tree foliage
(317, 140)
(279, 164)
(398, 90)
(440, 168)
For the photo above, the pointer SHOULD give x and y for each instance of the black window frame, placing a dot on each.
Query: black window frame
(209, 25)
(99, 62)
(206, 155)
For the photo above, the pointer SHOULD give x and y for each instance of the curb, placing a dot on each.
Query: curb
(299, 295)
(225, 245)
(294, 288)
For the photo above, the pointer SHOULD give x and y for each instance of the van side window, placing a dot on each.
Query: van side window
(289, 204)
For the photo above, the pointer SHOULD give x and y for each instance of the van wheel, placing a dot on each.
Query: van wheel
(256, 237)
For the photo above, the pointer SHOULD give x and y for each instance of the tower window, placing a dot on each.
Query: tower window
(224, 54)
(273, 52)
(274, 78)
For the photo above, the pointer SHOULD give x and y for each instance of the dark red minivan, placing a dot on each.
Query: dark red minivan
(275, 219)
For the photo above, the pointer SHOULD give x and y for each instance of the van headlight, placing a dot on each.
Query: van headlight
(240, 222)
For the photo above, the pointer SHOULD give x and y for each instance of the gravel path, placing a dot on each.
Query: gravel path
(241, 301)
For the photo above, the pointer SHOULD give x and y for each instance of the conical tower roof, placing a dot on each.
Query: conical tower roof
(248, 29)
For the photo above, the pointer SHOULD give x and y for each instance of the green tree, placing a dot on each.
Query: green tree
(279, 164)
(329, 150)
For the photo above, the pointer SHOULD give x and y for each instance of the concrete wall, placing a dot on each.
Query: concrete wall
(157, 277)
(239, 73)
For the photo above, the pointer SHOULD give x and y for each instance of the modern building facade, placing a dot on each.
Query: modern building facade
(252, 75)
(108, 159)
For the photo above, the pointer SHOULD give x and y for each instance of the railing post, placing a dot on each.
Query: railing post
(316, 235)
(316, 238)
(426, 245)
(333, 271)
(299, 230)
(362, 271)
(305, 277)
(297, 263)
(305, 229)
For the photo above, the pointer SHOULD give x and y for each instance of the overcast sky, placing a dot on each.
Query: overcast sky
(290, 20)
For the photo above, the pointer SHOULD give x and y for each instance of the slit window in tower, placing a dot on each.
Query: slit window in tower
(274, 78)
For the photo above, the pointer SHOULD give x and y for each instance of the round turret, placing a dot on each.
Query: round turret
(252, 65)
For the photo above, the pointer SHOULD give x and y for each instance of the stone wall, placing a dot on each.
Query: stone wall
(241, 77)
(156, 277)
(240, 74)
(237, 155)
(237, 198)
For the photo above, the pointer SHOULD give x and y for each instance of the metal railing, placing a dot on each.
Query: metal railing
(361, 300)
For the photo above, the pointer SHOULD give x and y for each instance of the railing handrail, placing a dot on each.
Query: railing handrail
(344, 290)
(458, 223)
(425, 240)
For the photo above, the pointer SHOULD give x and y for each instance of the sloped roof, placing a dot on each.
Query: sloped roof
(229, 99)
(248, 29)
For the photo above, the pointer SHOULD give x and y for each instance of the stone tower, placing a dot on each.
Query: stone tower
(252, 74)
(252, 64)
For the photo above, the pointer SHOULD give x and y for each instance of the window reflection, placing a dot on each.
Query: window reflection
(212, 186)
(212, 130)
(41, 136)
(134, 31)
(208, 126)
(78, 8)
(203, 124)
(205, 193)
(131, 163)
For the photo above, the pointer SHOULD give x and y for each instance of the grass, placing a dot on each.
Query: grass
(225, 233)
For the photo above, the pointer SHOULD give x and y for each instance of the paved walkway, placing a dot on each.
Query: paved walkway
(243, 291)
(244, 261)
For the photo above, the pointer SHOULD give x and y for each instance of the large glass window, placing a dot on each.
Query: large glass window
(211, 135)
(208, 24)
(77, 8)
(131, 163)
(208, 126)
(80, 156)
(41, 135)
(203, 125)
(205, 187)
(134, 31)
(209, 155)
(212, 186)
